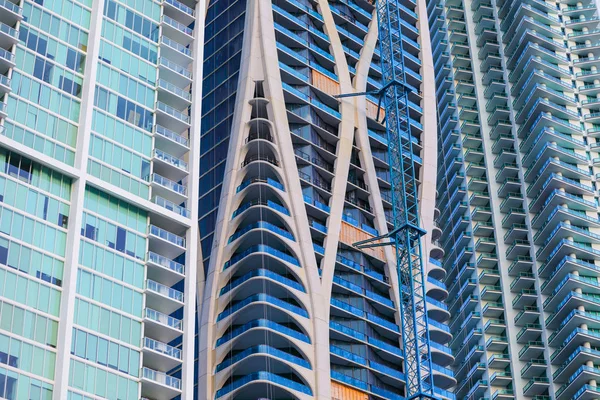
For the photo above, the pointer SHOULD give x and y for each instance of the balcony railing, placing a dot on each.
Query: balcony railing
(164, 319)
(169, 205)
(162, 131)
(169, 159)
(263, 376)
(168, 236)
(165, 262)
(11, 6)
(164, 290)
(261, 272)
(162, 348)
(180, 6)
(161, 378)
(169, 184)
(265, 249)
(175, 45)
(177, 25)
(173, 112)
(265, 298)
(168, 86)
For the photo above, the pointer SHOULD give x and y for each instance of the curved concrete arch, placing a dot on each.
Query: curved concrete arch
(256, 67)
(260, 62)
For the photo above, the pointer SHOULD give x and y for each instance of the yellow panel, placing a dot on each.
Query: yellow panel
(325, 83)
(343, 392)
(372, 110)
(350, 234)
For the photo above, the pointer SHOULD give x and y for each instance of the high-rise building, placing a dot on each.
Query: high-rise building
(99, 136)
(518, 91)
(290, 178)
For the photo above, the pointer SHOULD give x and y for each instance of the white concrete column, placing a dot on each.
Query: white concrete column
(67, 307)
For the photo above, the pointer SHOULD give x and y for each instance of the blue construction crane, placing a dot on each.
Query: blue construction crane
(406, 235)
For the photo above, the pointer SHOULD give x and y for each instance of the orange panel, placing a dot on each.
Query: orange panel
(325, 83)
(343, 392)
(350, 234)
(372, 110)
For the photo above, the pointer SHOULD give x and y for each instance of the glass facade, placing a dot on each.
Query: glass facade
(96, 123)
(517, 97)
(33, 223)
(282, 219)
(223, 37)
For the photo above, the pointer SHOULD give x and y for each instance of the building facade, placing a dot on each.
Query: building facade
(290, 178)
(98, 236)
(517, 88)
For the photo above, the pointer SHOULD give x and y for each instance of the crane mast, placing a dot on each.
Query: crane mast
(406, 235)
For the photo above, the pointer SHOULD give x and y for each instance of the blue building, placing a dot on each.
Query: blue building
(290, 178)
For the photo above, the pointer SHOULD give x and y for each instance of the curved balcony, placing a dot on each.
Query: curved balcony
(564, 230)
(439, 332)
(550, 168)
(262, 250)
(257, 203)
(262, 273)
(572, 301)
(576, 338)
(568, 247)
(436, 289)
(261, 225)
(435, 269)
(444, 377)
(376, 277)
(558, 197)
(264, 384)
(571, 368)
(569, 283)
(440, 354)
(564, 267)
(261, 299)
(257, 328)
(260, 354)
(270, 182)
(437, 310)
(552, 150)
